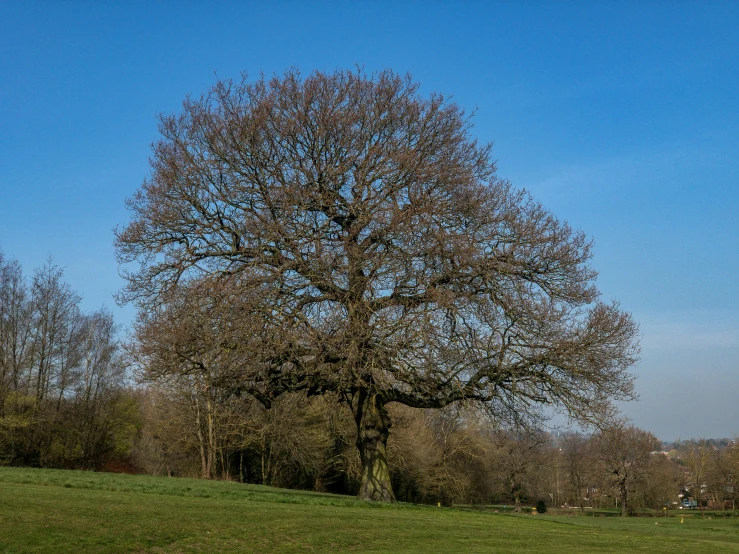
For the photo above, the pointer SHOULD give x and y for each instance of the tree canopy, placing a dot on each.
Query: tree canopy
(341, 233)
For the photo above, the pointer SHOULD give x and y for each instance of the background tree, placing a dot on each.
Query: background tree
(439, 455)
(624, 453)
(661, 483)
(362, 245)
(698, 461)
(518, 453)
(159, 448)
(578, 461)
(16, 355)
(63, 399)
(731, 459)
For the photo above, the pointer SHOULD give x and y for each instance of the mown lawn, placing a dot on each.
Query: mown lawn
(68, 511)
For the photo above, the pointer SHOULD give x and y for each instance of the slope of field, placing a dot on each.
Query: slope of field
(68, 511)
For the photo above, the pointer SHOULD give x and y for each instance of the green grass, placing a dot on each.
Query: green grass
(69, 511)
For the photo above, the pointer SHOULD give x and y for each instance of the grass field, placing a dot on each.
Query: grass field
(70, 511)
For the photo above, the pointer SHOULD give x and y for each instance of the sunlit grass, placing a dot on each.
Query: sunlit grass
(66, 511)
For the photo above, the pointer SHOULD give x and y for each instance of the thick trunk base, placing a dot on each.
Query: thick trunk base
(373, 428)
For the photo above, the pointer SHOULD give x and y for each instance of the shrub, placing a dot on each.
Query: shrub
(541, 507)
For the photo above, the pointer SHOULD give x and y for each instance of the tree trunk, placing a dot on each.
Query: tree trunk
(211, 441)
(373, 428)
(204, 469)
(624, 500)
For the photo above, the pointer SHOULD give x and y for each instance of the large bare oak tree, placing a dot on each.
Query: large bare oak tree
(348, 235)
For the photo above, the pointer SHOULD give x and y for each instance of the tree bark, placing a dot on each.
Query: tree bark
(211, 442)
(624, 500)
(373, 428)
(204, 469)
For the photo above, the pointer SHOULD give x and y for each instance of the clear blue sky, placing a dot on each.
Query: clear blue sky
(622, 117)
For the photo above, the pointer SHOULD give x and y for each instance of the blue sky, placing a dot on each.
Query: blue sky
(621, 117)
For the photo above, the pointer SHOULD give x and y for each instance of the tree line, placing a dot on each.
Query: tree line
(457, 455)
(72, 395)
(63, 396)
